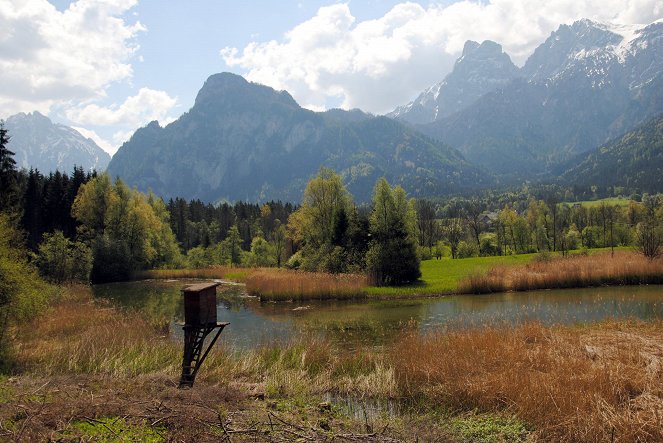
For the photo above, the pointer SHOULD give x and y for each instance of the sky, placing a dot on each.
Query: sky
(108, 67)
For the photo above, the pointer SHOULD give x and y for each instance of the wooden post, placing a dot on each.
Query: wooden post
(199, 322)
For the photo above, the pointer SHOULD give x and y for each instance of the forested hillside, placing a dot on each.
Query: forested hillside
(634, 161)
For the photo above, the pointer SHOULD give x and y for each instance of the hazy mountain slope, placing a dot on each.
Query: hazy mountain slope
(40, 144)
(246, 141)
(586, 84)
(480, 69)
(634, 160)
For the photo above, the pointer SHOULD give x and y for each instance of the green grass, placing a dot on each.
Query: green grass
(116, 430)
(488, 428)
(613, 201)
(443, 276)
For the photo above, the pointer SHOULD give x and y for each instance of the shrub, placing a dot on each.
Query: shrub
(23, 294)
(61, 260)
(467, 250)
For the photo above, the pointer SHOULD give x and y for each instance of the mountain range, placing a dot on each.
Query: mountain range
(564, 115)
(38, 143)
(244, 141)
(586, 84)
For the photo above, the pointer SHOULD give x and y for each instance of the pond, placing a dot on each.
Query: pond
(377, 322)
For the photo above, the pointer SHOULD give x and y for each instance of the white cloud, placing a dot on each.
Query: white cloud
(136, 111)
(379, 64)
(48, 56)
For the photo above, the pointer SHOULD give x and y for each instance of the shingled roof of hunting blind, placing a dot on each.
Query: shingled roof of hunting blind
(200, 286)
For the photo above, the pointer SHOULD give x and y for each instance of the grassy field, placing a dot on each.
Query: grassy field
(85, 371)
(613, 201)
(438, 277)
(444, 276)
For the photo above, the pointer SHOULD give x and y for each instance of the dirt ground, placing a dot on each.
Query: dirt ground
(36, 409)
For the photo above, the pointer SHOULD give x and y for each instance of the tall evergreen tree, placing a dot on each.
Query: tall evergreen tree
(9, 189)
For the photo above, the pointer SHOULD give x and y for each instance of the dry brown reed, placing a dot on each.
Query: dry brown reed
(599, 384)
(271, 284)
(624, 268)
(217, 272)
(87, 336)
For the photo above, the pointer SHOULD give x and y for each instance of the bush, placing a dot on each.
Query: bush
(60, 260)
(23, 294)
(295, 261)
(392, 262)
(467, 250)
(424, 253)
(488, 244)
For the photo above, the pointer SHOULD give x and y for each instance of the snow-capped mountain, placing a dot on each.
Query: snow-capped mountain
(586, 84)
(40, 144)
(480, 69)
(601, 52)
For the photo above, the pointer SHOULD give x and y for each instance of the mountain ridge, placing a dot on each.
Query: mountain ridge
(584, 85)
(38, 143)
(243, 141)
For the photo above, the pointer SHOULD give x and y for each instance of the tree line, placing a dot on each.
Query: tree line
(470, 227)
(85, 225)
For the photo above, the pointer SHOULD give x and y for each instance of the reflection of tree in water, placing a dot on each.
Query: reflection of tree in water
(157, 301)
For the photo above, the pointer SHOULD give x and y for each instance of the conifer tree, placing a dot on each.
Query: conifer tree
(9, 191)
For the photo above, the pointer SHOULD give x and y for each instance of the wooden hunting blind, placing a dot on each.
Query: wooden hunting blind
(199, 321)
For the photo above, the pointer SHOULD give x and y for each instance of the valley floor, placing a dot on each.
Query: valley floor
(85, 371)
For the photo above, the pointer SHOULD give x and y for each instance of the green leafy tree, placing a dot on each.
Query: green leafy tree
(61, 260)
(262, 253)
(126, 230)
(392, 257)
(320, 225)
(649, 234)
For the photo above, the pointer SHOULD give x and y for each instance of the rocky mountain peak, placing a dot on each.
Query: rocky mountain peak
(480, 69)
(565, 45)
(227, 89)
(41, 144)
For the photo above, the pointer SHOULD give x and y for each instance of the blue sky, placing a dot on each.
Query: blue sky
(108, 67)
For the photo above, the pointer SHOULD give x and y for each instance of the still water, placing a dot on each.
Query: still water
(377, 322)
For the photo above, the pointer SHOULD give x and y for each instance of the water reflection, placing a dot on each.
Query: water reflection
(353, 323)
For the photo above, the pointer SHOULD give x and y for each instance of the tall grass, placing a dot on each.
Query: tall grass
(85, 336)
(296, 285)
(80, 335)
(571, 385)
(624, 268)
(217, 272)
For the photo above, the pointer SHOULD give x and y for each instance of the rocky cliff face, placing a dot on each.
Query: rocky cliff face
(40, 144)
(481, 68)
(244, 141)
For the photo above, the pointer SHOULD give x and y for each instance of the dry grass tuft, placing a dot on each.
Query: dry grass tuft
(213, 272)
(570, 384)
(625, 268)
(86, 336)
(272, 284)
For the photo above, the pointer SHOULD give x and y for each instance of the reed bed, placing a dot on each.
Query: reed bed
(276, 285)
(83, 336)
(212, 272)
(598, 384)
(624, 268)
(86, 336)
